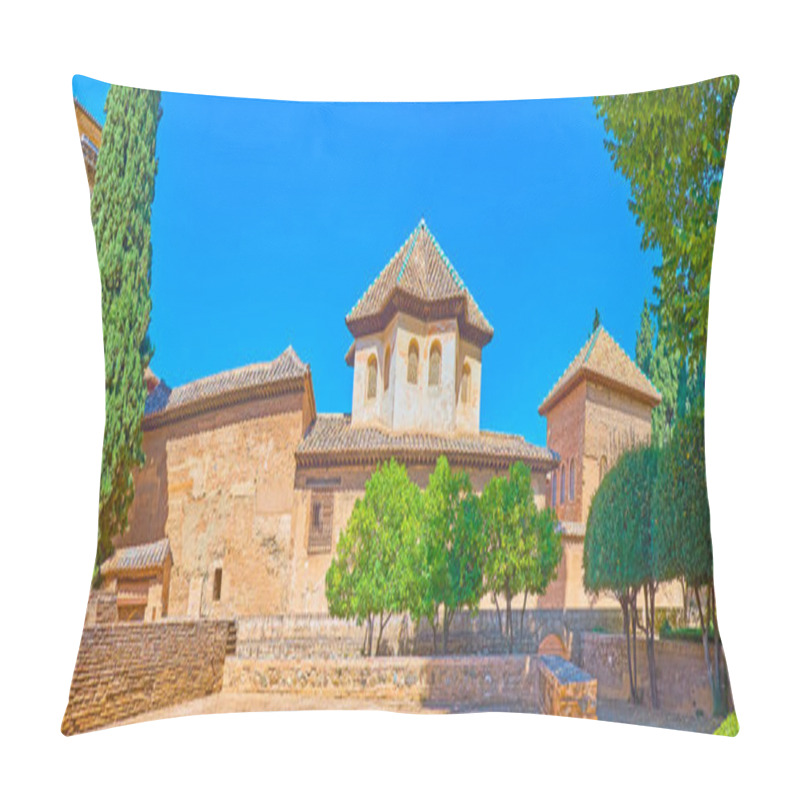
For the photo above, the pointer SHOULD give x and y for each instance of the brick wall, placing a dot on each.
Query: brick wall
(681, 674)
(128, 668)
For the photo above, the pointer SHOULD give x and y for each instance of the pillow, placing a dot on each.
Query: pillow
(401, 531)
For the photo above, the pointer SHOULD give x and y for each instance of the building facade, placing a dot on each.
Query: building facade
(249, 487)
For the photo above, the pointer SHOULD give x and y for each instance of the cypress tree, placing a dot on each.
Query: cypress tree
(121, 208)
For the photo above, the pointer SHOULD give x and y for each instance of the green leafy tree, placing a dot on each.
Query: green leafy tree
(682, 536)
(670, 145)
(668, 371)
(372, 574)
(523, 544)
(451, 571)
(618, 553)
(120, 207)
(645, 337)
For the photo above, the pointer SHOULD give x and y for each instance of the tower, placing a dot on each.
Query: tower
(599, 408)
(418, 337)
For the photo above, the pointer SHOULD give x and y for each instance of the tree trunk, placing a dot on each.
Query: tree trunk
(499, 616)
(709, 669)
(634, 623)
(522, 616)
(626, 625)
(650, 633)
(382, 624)
(509, 626)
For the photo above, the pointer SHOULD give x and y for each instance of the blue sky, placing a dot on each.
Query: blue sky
(271, 219)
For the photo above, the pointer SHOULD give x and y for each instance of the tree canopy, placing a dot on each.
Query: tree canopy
(121, 206)
(618, 548)
(670, 145)
(372, 574)
(523, 544)
(450, 574)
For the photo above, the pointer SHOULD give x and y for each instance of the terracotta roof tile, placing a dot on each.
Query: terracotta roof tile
(602, 358)
(137, 558)
(333, 439)
(287, 370)
(418, 274)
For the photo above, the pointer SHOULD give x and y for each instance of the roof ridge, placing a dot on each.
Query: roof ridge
(415, 234)
(632, 360)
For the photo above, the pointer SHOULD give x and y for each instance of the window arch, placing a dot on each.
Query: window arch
(386, 364)
(466, 383)
(372, 377)
(435, 365)
(413, 362)
(572, 479)
(563, 483)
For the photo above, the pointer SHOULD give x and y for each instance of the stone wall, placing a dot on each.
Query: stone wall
(565, 690)
(681, 675)
(320, 636)
(129, 668)
(463, 683)
(101, 609)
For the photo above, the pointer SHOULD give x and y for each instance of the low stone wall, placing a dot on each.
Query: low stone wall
(503, 682)
(129, 668)
(545, 684)
(681, 675)
(565, 690)
(315, 636)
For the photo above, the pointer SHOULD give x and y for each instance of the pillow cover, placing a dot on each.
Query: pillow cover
(403, 532)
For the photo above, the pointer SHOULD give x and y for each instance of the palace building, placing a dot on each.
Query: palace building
(246, 487)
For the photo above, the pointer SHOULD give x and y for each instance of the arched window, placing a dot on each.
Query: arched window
(413, 361)
(572, 479)
(435, 367)
(603, 468)
(372, 377)
(466, 377)
(386, 365)
(563, 483)
(554, 489)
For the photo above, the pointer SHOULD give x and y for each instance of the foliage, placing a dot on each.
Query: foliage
(682, 535)
(451, 571)
(372, 574)
(618, 549)
(680, 388)
(670, 145)
(121, 207)
(523, 543)
(682, 522)
(729, 727)
(682, 634)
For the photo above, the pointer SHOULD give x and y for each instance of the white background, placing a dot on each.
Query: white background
(52, 391)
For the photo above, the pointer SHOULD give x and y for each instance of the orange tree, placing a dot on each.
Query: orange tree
(523, 544)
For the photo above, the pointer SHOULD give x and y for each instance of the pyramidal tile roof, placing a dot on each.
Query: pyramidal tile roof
(604, 360)
(287, 371)
(420, 279)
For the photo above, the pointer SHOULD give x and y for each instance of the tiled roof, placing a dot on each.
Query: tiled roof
(137, 558)
(332, 439)
(420, 279)
(603, 359)
(285, 373)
